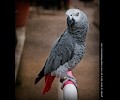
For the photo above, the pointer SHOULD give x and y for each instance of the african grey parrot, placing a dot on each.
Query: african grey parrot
(67, 51)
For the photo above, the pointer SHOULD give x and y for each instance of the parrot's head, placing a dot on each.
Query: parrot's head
(76, 18)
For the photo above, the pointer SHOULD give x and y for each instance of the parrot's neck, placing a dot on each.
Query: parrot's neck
(78, 34)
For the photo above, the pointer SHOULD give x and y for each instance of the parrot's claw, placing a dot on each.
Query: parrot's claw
(63, 79)
(68, 78)
(71, 77)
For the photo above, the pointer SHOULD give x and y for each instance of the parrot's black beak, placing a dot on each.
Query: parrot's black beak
(70, 22)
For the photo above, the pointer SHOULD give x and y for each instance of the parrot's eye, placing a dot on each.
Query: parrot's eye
(77, 14)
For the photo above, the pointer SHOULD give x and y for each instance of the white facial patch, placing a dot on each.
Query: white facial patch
(75, 14)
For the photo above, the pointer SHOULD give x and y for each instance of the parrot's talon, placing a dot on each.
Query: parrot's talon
(65, 78)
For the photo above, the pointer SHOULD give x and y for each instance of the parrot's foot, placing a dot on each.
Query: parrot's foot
(68, 78)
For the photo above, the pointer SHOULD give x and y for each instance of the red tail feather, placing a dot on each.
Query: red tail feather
(48, 82)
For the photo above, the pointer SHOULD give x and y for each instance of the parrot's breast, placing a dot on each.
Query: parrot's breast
(65, 48)
(62, 52)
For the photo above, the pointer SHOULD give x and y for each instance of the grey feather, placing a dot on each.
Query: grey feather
(70, 48)
(62, 52)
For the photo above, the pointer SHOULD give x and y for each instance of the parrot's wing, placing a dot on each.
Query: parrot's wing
(61, 53)
(52, 63)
